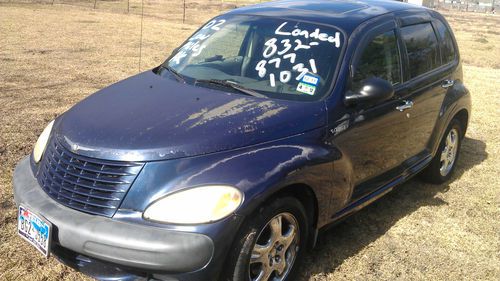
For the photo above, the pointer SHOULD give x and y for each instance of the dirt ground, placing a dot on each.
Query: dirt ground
(53, 56)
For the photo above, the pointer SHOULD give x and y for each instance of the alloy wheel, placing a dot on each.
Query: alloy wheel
(449, 153)
(275, 249)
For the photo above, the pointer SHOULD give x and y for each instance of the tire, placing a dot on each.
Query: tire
(255, 236)
(440, 170)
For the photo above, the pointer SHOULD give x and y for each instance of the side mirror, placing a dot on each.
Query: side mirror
(372, 91)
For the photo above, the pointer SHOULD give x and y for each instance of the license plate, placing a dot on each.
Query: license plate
(34, 229)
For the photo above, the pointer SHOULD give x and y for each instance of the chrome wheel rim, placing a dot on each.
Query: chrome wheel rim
(275, 249)
(449, 153)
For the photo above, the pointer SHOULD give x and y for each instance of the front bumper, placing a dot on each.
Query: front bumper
(130, 245)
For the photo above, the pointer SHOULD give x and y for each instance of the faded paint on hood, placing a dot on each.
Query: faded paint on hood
(148, 117)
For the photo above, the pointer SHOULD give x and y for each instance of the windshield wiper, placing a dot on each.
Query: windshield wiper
(232, 85)
(177, 75)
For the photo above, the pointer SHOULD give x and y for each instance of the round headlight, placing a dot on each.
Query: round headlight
(41, 143)
(195, 205)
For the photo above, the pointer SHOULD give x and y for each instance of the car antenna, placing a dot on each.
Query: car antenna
(140, 43)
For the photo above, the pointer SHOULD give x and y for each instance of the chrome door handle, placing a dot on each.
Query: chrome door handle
(447, 83)
(407, 105)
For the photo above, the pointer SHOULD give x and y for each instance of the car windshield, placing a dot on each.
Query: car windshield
(270, 57)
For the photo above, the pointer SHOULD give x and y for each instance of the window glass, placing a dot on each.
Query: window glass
(380, 59)
(228, 47)
(447, 47)
(278, 58)
(422, 47)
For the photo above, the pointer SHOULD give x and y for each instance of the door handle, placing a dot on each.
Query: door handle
(406, 105)
(447, 83)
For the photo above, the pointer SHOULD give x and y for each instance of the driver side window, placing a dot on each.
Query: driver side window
(379, 59)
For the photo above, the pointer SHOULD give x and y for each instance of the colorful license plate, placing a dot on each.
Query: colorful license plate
(34, 229)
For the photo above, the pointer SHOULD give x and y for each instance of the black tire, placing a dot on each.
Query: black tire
(432, 173)
(238, 263)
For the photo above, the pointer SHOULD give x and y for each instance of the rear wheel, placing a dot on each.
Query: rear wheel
(443, 164)
(270, 244)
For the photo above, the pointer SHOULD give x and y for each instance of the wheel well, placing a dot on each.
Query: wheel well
(463, 117)
(305, 195)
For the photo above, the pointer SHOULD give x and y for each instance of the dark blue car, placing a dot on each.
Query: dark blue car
(267, 124)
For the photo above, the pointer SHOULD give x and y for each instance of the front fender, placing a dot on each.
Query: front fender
(258, 171)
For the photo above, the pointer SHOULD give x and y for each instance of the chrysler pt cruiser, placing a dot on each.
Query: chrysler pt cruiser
(267, 124)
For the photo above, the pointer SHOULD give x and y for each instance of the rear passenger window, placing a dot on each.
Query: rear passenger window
(422, 47)
(447, 47)
(380, 59)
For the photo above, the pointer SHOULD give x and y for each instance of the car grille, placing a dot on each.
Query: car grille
(85, 184)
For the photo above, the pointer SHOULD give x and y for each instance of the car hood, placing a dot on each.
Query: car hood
(147, 117)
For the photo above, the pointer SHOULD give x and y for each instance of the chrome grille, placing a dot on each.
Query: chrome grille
(89, 185)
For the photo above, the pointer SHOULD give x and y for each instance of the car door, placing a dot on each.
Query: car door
(427, 82)
(376, 139)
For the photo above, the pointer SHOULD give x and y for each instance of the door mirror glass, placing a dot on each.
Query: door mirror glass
(372, 91)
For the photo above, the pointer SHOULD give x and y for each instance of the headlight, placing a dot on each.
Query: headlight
(196, 205)
(41, 143)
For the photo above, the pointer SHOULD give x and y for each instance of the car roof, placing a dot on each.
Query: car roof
(345, 14)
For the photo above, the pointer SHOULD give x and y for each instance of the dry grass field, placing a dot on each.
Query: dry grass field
(53, 56)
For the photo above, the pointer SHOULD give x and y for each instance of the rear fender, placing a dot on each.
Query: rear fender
(457, 99)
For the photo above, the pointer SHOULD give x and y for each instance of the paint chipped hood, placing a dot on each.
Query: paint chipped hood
(147, 117)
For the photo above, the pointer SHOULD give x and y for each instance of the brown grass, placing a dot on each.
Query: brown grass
(53, 56)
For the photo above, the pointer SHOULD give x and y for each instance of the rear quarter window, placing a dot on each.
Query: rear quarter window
(422, 48)
(447, 46)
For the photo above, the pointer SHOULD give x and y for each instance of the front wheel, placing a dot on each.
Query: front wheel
(270, 244)
(443, 164)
